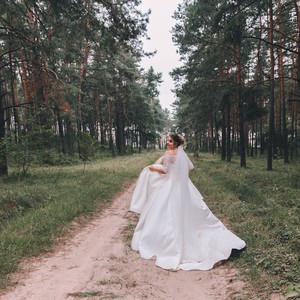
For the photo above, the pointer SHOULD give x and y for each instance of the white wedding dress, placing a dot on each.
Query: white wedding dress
(176, 227)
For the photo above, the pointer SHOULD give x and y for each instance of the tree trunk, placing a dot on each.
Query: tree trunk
(100, 120)
(228, 143)
(241, 111)
(240, 100)
(23, 76)
(223, 149)
(61, 130)
(13, 94)
(298, 78)
(3, 160)
(212, 137)
(120, 134)
(38, 82)
(79, 113)
(256, 138)
(272, 86)
(111, 142)
(69, 136)
(282, 101)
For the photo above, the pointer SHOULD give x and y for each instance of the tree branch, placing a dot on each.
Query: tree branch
(18, 105)
(269, 43)
(53, 73)
(7, 52)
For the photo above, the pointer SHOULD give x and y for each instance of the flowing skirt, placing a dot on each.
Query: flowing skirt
(176, 227)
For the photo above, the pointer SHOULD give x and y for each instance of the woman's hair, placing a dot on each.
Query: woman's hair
(178, 139)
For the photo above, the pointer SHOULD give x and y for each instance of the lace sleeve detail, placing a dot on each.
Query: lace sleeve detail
(159, 161)
(191, 166)
(168, 159)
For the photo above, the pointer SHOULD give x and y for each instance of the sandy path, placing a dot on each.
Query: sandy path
(97, 263)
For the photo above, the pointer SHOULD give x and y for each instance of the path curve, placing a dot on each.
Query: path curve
(97, 263)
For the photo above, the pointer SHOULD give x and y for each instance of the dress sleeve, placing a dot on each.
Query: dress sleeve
(190, 164)
(167, 162)
(159, 161)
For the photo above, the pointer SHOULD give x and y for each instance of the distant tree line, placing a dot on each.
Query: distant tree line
(238, 89)
(70, 77)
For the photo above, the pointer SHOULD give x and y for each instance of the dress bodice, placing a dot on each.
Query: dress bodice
(169, 162)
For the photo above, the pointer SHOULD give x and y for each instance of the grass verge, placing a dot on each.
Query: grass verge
(263, 208)
(38, 209)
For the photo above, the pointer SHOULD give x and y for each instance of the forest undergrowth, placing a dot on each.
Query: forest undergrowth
(39, 208)
(263, 208)
(260, 206)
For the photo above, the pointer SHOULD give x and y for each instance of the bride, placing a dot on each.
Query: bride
(176, 226)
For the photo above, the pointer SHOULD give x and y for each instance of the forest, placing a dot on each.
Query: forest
(71, 80)
(238, 88)
(80, 118)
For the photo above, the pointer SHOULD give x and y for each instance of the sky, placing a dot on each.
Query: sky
(159, 31)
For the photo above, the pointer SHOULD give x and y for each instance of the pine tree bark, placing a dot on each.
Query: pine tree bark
(15, 101)
(111, 141)
(282, 101)
(224, 137)
(239, 96)
(296, 103)
(240, 108)
(69, 136)
(100, 120)
(23, 75)
(272, 94)
(228, 143)
(292, 105)
(120, 134)
(212, 136)
(60, 130)
(3, 159)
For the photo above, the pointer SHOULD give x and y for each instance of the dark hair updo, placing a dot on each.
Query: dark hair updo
(178, 139)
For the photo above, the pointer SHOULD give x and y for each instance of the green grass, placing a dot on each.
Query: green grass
(38, 209)
(260, 206)
(263, 208)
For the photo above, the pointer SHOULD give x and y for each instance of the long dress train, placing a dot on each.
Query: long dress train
(175, 225)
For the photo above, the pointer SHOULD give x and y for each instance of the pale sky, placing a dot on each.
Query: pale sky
(166, 59)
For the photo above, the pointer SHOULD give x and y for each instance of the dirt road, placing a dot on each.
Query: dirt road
(97, 263)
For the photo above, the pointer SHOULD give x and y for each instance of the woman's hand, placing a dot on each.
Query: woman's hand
(154, 169)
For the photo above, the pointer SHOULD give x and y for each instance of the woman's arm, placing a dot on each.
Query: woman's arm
(165, 166)
(190, 164)
(154, 169)
(159, 161)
